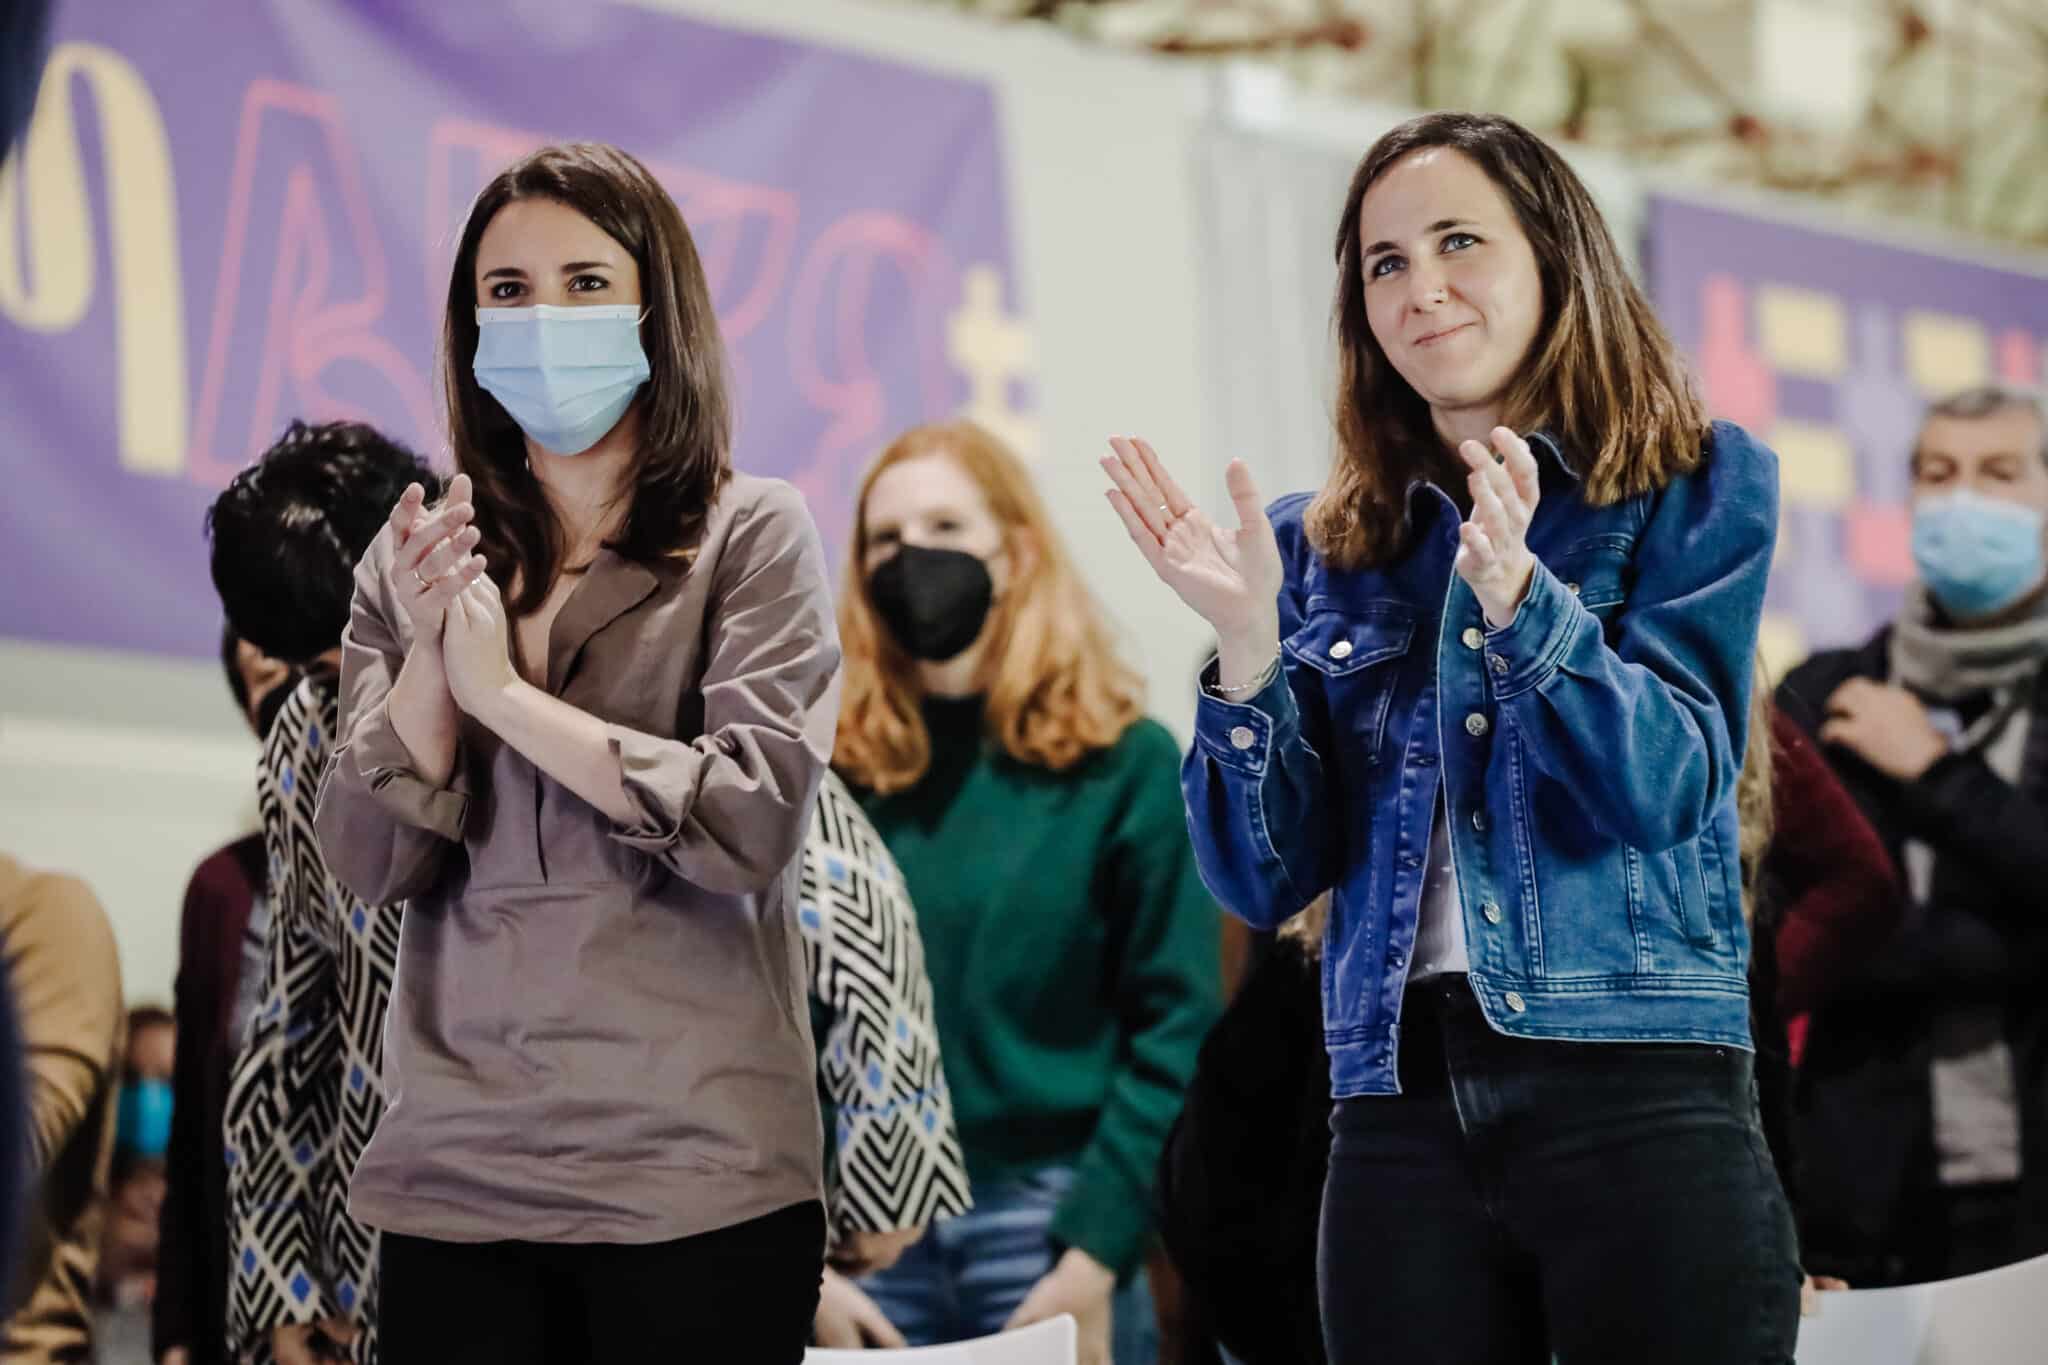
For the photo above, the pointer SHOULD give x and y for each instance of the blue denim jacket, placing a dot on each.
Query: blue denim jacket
(1587, 754)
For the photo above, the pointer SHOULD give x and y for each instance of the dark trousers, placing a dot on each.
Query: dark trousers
(1972, 1228)
(1600, 1202)
(743, 1293)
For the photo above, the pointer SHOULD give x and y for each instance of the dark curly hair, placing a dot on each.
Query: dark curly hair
(288, 530)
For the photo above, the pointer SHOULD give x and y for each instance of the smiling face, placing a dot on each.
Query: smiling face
(1452, 290)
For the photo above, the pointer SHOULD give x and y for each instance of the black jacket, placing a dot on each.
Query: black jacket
(1241, 1179)
(1865, 1111)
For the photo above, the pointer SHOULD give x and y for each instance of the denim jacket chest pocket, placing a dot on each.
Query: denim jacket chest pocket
(1348, 650)
(1596, 570)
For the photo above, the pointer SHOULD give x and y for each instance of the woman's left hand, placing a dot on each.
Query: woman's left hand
(1492, 554)
(1082, 1286)
(476, 648)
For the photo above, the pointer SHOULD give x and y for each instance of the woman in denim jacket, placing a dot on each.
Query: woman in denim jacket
(1491, 691)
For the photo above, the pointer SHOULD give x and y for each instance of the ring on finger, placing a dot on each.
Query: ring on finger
(426, 584)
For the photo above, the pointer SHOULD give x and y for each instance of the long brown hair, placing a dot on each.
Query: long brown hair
(1755, 808)
(684, 458)
(1603, 376)
(1056, 690)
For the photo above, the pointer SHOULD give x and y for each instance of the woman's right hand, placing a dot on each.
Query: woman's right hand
(1231, 577)
(848, 1320)
(432, 563)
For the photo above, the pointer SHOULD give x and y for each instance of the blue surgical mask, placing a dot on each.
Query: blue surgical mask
(1977, 555)
(566, 375)
(143, 1123)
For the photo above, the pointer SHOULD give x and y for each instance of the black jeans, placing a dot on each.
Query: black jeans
(743, 1293)
(1600, 1202)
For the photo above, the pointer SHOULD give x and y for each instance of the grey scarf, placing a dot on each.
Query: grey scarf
(1946, 662)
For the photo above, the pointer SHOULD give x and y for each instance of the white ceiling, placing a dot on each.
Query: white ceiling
(1928, 109)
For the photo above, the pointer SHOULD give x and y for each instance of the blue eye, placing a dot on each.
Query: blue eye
(1381, 266)
(1460, 239)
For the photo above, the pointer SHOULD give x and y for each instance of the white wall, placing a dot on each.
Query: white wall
(127, 770)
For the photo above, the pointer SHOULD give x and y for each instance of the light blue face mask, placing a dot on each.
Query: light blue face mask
(142, 1121)
(1977, 555)
(565, 375)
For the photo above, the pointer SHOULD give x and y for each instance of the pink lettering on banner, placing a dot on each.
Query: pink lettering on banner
(1739, 385)
(1878, 538)
(297, 200)
(2019, 358)
(831, 314)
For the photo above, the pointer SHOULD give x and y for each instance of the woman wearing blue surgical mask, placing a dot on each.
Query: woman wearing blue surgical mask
(586, 702)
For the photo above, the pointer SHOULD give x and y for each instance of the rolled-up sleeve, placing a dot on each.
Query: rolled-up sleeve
(1647, 732)
(1253, 781)
(383, 828)
(728, 809)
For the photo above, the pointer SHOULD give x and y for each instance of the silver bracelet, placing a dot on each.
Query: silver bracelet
(1247, 689)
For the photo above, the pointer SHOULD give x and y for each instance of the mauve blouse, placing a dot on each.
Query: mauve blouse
(599, 1032)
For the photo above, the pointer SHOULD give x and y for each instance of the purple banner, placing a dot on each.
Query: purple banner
(227, 215)
(1829, 346)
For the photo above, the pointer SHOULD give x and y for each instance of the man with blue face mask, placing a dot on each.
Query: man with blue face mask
(1924, 1113)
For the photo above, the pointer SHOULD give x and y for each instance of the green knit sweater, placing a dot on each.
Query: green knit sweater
(1074, 958)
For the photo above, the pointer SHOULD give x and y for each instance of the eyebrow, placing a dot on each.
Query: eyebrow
(1440, 225)
(571, 268)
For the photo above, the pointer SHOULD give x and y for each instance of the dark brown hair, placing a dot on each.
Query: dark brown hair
(1602, 376)
(685, 456)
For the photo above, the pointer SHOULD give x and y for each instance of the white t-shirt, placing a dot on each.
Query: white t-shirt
(1440, 919)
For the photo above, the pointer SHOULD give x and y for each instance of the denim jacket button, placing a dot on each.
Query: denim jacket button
(1473, 637)
(1516, 1002)
(1477, 725)
(1492, 912)
(1479, 819)
(1341, 650)
(1498, 663)
(1572, 588)
(1241, 737)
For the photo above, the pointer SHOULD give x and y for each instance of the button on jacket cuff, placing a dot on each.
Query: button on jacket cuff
(1524, 653)
(1240, 734)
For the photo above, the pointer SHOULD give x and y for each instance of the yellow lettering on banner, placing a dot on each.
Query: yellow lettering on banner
(992, 348)
(43, 203)
(1802, 332)
(1945, 353)
(1816, 464)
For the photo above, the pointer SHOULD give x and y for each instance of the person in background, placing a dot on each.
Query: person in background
(142, 1135)
(65, 975)
(1000, 748)
(586, 706)
(306, 1088)
(1828, 892)
(1503, 652)
(1925, 1075)
(24, 44)
(896, 1161)
(1241, 1178)
(221, 949)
